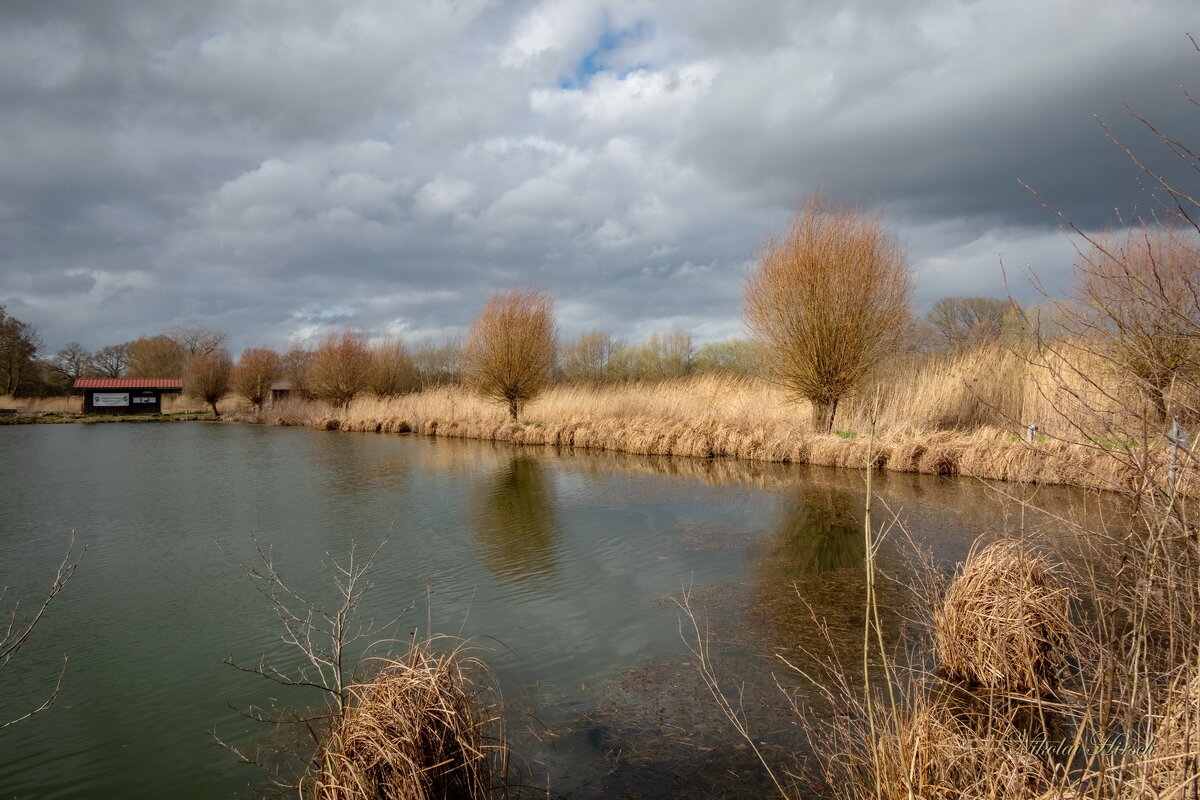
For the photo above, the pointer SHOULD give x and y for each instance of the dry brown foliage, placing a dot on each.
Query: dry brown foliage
(392, 370)
(1004, 623)
(830, 299)
(1139, 296)
(206, 377)
(511, 347)
(340, 368)
(155, 357)
(928, 748)
(254, 373)
(424, 728)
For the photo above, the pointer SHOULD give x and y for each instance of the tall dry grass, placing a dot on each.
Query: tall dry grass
(963, 414)
(425, 727)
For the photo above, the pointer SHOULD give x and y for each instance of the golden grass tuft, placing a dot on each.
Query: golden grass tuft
(1005, 622)
(422, 729)
(928, 749)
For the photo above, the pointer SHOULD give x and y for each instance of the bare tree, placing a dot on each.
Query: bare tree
(586, 360)
(254, 373)
(196, 341)
(511, 347)
(1139, 296)
(206, 377)
(156, 357)
(340, 368)
(392, 370)
(733, 357)
(962, 323)
(439, 364)
(19, 628)
(19, 344)
(110, 361)
(675, 353)
(73, 362)
(829, 300)
(295, 370)
(322, 642)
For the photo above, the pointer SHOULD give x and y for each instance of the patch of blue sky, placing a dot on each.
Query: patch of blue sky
(601, 57)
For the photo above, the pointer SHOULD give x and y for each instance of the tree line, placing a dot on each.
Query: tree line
(595, 356)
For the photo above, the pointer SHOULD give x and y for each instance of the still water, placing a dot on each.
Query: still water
(559, 567)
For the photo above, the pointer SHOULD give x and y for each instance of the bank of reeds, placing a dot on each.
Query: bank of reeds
(1027, 696)
(951, 415)
(424, 727)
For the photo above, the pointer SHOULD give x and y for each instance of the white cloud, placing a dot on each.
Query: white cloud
(223, 162)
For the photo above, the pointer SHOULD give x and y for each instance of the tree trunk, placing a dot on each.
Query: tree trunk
(822, 415)
(216, 413)
(513, 408)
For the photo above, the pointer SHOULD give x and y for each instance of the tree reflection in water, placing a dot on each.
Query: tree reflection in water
(820, 530)
(513, 518)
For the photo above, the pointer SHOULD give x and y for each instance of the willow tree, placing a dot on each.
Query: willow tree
(254, 373)
(340, 368)
(512, 346)
(829, 300)
(206, 377)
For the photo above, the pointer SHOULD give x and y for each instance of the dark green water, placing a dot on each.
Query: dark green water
(559, 566)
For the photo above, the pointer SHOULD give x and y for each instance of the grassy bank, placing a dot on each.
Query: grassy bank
(961, 415)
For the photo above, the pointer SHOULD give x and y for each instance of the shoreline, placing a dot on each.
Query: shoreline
(51, 418)
(987, 454)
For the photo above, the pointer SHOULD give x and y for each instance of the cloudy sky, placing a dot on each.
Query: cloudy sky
(280, 169)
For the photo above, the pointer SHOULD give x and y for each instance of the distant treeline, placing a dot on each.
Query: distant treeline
(953, 324)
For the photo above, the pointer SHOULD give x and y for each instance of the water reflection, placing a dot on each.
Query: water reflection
(513, 518)
(820, 530)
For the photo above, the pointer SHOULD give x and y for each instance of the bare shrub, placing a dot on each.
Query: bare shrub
(830, 300)
(254, 373)
(423, 724)
(1139, 296)
(19, 628)
(1174, 768)
(392, 370)
(339, 368)
(206, 377)
(511, 347)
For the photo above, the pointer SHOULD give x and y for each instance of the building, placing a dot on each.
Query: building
(126, 395)
(280, 390)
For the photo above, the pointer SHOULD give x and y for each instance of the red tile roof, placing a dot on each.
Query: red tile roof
(129, 383)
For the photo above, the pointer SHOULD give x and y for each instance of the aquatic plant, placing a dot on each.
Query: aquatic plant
(423, 727)
(1004, 623)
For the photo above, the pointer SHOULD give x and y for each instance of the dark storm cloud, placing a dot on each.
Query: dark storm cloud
(279, 170)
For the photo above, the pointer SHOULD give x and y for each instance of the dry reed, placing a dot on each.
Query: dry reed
(424, 728)
(1004, 623)
(1172, 768)
(954, 415)
(927, 748)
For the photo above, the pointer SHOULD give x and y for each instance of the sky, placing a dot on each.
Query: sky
(282, 169)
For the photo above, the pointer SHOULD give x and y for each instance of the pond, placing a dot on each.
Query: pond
(559, 568)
